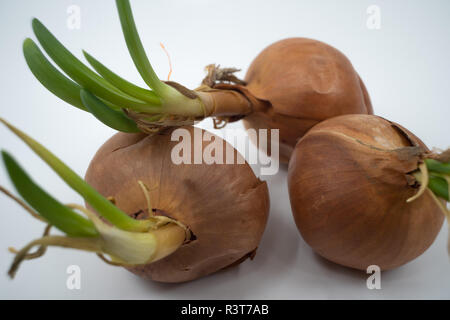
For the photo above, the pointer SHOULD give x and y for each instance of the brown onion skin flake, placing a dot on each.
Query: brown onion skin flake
(225, 206)
(348, 185)
(304, 81)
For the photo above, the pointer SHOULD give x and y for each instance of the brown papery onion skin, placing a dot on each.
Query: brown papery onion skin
(305, 81)
(348, 185)
(225, 206)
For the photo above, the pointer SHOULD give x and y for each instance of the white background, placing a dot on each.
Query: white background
(405, 66)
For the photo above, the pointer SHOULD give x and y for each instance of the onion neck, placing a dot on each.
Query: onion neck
(226, 102)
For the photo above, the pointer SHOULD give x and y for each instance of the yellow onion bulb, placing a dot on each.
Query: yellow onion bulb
(304, 81)
(225, 206)
(349, 181)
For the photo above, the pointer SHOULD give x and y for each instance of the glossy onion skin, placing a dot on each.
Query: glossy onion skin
(306, 81)
(225, 206)
(348, 186)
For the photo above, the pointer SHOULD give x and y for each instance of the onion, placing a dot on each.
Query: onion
(306, 81)
(225, 206)
(162, 221)
(291, 86)
(349, 181)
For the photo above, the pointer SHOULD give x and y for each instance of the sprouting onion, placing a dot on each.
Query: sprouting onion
(151, 207)
(366, 191)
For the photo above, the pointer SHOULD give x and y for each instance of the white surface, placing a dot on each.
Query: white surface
(405, 66)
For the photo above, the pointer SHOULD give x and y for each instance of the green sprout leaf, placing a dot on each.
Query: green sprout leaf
(439, 186)
(84, 76)
(113, 119)
(119, 82)
(104, 207)
(50, 77)
(136, 48)
(436, 166)
(53, 211)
